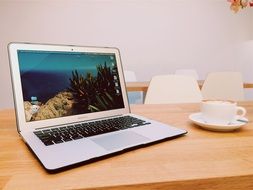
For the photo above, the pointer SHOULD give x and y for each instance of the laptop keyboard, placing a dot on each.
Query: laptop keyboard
(87, 129)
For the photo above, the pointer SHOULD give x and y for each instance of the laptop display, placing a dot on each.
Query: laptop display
(58, 83)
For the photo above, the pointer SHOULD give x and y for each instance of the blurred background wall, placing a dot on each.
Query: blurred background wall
(154, 36)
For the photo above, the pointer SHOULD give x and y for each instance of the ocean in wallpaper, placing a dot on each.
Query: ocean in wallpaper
(57, 84)
(46, 84)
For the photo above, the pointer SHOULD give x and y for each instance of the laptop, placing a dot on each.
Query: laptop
(72, 107)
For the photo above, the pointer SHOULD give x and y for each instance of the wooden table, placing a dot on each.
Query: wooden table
(199, 160)
(143, 86)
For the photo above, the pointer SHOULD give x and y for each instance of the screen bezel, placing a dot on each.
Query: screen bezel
(18, 94)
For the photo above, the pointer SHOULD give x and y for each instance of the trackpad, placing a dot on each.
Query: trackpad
(120, 140)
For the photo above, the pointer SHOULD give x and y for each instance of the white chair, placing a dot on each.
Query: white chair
(130, 76)
(223, 86)
(133, 97)
(173, 89)
(188, 72)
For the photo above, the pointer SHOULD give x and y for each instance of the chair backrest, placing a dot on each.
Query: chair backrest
(188, 72)
(223, 86)
(133, 97)
(173, 89)
(130, 76)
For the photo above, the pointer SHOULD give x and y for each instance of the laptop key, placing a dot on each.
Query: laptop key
(58, 141)
(77, 137)
(56, 130)
(67, 139)
(47, 130)
(62, 128)
(37, 132)
(47, 143)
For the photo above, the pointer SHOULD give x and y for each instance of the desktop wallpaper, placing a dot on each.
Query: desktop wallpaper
(58, 84)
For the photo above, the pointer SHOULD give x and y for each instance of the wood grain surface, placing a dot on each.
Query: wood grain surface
(143, 86)
(199, 160)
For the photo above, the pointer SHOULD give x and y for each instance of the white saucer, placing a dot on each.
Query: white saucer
(197, 119)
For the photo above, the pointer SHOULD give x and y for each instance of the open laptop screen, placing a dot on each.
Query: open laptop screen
(57, 84)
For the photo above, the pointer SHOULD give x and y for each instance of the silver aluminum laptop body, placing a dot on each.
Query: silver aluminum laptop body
(50, 92)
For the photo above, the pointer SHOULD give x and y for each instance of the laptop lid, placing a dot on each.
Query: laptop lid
(58, 84)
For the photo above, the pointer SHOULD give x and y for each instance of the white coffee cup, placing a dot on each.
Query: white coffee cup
(221, 112)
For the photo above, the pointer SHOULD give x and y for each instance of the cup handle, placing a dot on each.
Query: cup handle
(241, 109)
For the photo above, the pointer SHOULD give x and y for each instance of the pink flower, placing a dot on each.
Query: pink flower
(236, 5)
